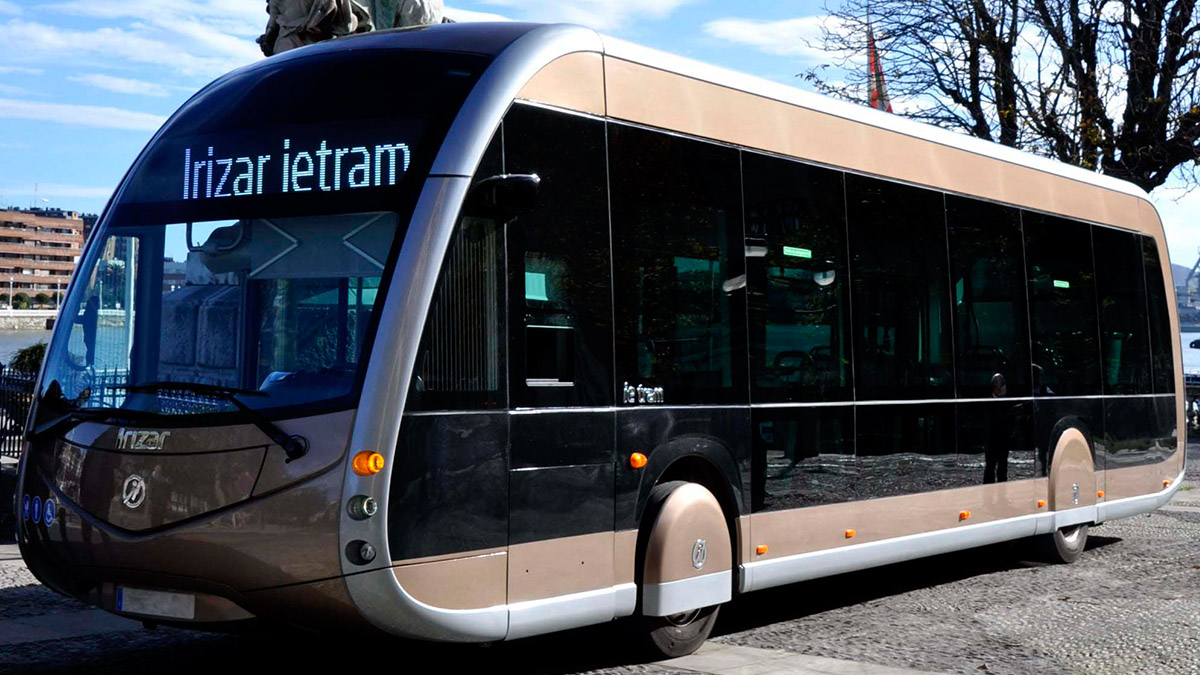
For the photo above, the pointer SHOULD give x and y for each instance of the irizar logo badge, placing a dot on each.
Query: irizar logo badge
(133, 493)
(141, 439)
(699, 553)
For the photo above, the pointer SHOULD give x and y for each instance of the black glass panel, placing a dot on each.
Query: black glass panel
(1052, 417)
(905, 449)
(987, 273)
(678, 267)
(797, 281)
(898, 267)
(460, 363)
(995, 442)
(1134, 434)
(1121, 291)
(803, 457)
(1166, 414)
(560, 296)
(1161, 338)
(1066, 360)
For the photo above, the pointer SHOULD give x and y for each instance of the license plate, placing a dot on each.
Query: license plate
(156, 603)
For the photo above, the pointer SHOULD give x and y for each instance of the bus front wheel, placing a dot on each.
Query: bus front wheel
(680, 634)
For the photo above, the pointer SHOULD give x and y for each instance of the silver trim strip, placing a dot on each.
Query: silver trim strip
(1132, 506)
(377, 593)
(536, 617)
(684, 595)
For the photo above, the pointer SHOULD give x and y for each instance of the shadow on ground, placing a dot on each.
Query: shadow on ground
(586, 649)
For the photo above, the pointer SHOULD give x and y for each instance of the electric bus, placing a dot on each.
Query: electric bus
(475, 332)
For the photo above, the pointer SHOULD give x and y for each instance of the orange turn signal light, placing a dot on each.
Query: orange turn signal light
(850, 533)
(368, 463)
(1100, 494)
(1166, 482)
(637, 460)
(1041, 503)
(963, 515)
(761, 549)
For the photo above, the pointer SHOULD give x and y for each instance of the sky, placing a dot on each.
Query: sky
(85, 83)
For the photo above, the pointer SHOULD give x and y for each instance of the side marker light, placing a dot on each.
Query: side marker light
(963, 515)
(637, 460)
(850, 533)
(1166, 482)
(1041, 503)
(761, 549)
(368, 463)
(1100, 494)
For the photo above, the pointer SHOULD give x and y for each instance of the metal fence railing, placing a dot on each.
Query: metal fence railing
(16, 393)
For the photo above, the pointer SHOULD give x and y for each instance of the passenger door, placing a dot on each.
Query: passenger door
(560, 360)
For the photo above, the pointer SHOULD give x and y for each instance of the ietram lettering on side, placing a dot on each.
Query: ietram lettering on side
(564, 330)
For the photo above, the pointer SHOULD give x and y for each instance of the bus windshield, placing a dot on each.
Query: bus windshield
(274, 305)
(246, 252)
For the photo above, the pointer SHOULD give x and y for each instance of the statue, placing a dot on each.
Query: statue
(295, 23)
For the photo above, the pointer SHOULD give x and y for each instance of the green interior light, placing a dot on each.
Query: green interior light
(797, 252)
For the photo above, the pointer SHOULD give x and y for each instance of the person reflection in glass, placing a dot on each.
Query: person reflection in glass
(1042, 422)
(995, 468)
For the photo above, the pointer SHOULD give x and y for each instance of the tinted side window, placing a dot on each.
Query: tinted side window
(560, 297)
(460, 363)
(987, 274)
(1161, 339)
(1121, 291)
(1066, 358)
(905, 449)
(797, 281)
(898, 268)
(678, 267)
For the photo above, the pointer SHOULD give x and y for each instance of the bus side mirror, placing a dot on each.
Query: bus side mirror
(503, 197)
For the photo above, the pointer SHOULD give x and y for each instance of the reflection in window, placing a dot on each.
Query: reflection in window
(1161, 337)
(987, 273)
(1066, 360)
(803, 457)
(1121, 290)
(678, 266)
(560, 298)
(995, 441)
(902, 347)
(797, 281)
(905, 449)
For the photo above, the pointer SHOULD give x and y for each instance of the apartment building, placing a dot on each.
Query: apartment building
(38, 249)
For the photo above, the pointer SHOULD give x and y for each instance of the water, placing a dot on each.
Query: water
(1191, 357)
(13, 340)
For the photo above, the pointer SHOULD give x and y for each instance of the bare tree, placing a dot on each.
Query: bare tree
(1109, 85)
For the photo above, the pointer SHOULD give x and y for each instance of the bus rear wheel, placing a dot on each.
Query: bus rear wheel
(1064, 545)
(678, 635)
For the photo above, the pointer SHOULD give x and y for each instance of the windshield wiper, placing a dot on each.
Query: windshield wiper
(294, 446)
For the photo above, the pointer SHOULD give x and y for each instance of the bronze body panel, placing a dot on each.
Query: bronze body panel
(462, 583)
(1139, 480)
(553, 567)
(1071, 467)
(574, 82)
(689, 515)
(824, 527)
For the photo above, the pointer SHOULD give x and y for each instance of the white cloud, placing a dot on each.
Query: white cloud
(121, 85)
(114, 47)
(11, 90)
(467, 16)
(20, 70)
(787, 37)
(81, 115)
(8, 7)
(599, 14)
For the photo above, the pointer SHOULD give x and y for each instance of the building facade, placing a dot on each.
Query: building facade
(38, 250)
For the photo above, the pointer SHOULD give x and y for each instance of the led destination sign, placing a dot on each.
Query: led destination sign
(208, 174)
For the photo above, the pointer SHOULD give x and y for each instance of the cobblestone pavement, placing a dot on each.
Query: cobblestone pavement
(1130, 605)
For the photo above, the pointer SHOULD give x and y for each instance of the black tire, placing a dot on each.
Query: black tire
(1063, 546)
(674, 636)
(668, 636)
